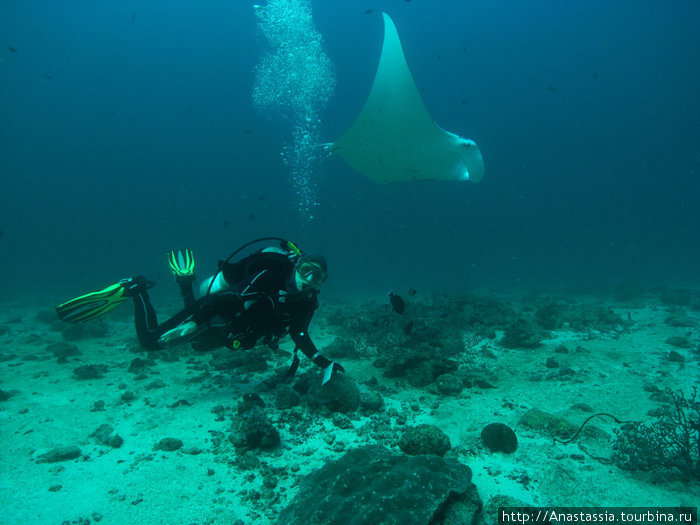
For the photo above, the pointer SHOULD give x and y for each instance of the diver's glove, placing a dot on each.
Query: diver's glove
(328, 371)
(181, 263)
(177, 333)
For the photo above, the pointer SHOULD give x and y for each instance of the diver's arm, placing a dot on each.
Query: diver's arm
(299, 333)
(178, 333)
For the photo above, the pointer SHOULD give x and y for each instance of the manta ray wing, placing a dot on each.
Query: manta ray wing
(394, 138)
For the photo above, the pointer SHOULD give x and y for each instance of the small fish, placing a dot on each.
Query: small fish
(408, 328)
(397, 304)
(412, 292)
(262, 197)
(133, 17)
(251, 216)
(368, 12)
(48, 77)
(12, 49)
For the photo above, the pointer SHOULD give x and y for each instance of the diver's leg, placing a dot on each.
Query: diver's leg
(148, 330)
(145, 320)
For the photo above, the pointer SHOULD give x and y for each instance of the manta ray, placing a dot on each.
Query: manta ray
(394, 138)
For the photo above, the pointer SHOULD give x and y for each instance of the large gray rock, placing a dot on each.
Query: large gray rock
(371, 485)
(340, 394)
(425, 439)
(59, 454)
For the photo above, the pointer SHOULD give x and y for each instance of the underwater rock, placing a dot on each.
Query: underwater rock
(421, 375)
(62, 351)
(486, 314)
(548, 424)
(4, 396)
(59, 454)
(679, 342)
(169, 444)
(490, 512)
(552, 362)
(483, 383)
(90, 371)
(371, 485)
(105, 435)
(73, 332)
(499, 438)
(304, 381)
(449, 384)
(675, 357)
(180, 403)
(286, 398)
(596, 317)
(424, 439)
(154, 385)
(340, 394)
(249, 401)
(254, 430)
(341, 348)
(341, 421)
(249, 360)
(680, 320)
(523, 333)
(551, 316)
(97, 328)
(139, 365)
(371, 402)
(127, 397)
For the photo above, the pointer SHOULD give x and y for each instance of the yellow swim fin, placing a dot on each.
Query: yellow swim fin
(96, 304)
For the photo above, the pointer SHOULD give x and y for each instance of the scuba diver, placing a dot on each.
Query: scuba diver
(262, 297)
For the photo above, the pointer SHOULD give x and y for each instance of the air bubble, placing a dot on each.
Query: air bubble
(295, 79)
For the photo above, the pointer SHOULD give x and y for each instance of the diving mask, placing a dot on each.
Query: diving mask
(311, 272)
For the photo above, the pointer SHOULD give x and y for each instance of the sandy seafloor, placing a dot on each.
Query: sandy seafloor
(203, 482)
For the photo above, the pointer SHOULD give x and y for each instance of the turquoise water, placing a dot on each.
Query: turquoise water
(565, 282)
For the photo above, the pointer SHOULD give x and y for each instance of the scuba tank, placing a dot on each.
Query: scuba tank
(218, 283)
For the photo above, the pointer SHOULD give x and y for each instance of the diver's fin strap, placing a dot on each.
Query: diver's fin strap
(181, 262)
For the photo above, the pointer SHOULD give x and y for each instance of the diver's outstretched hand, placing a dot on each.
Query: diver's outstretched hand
(328, 372)
(177, 333)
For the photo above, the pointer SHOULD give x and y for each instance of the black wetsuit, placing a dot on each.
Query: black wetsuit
(262, 304)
